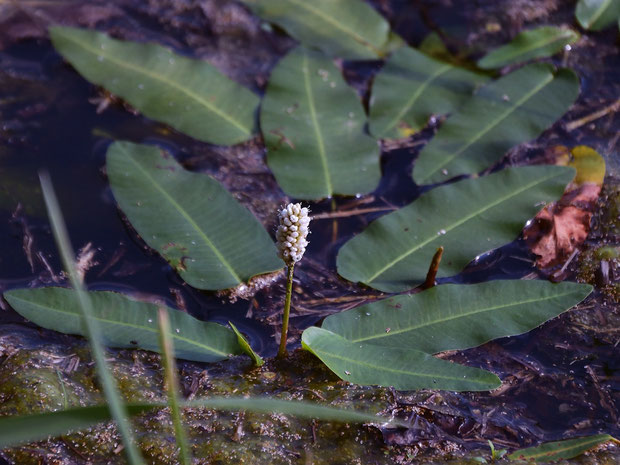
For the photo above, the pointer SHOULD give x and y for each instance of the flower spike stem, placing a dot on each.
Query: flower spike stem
(287, 311)
(291, 243)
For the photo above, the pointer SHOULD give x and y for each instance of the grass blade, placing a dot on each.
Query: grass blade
(18, 430)
(561, 450)
(91, 328)
(172, 385)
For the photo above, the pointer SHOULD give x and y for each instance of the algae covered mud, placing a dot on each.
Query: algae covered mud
(559, 381)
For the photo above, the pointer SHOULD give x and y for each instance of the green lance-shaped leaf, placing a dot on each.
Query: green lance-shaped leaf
(18, 430)
(411, 87)
(541, 42)
(454, 316)
(400, 367)
(349, 29)
(597, 14)
(189, 218)
(561, 450)
(190, 95)
(477, 215)
(314, 130)
(514, 109)
(124, 322)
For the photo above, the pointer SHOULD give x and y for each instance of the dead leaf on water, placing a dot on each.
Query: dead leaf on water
(561, 227)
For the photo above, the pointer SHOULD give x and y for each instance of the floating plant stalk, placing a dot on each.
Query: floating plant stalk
(291, 241)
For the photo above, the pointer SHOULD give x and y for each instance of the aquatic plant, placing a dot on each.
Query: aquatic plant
(317, 147)
(293, 228)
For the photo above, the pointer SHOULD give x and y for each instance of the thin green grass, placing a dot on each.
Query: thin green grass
(91, 327)
(172, 385)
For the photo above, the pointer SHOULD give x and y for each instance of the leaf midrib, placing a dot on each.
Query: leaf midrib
(449, 228)
(566, 34)
(394, 370)
(442, 70)
(458, 316)
(213, 109)
(489, 127)
(315, 125)
(119, 323)
(186, 216)
(317, 12)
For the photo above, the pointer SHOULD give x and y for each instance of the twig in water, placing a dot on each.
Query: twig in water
(572, 125)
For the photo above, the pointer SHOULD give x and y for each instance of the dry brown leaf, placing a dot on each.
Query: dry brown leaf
(561, 227)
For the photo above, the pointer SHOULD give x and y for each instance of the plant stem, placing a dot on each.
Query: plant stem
(432, 269)
(287, 311)
(334, 221)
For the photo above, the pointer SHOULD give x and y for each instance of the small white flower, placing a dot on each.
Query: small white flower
(292, 232)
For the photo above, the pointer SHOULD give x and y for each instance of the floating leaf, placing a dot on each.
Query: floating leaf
(400, 367)
(345, 28)
(314, 130)
(124, 322)
(597, 14)
(246, 347)
(516, 108)
(454, 316)
(477, 215)
(189, 95)
(534, 43)
(411, 87)
(205, 234)
(18, 430)
(559, 450)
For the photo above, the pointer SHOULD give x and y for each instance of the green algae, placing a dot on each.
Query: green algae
(33, 381)
(30, 381)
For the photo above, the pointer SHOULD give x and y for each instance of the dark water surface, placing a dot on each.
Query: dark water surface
(562, 380)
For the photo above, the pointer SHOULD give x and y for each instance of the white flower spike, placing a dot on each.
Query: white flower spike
(292, 232)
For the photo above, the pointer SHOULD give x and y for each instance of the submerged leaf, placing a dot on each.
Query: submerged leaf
(314, 130)
(349, 29)
(541, 42)
(412, 87)
(189, 95)
(454, 316)
(514, 109)
(124, 322)
(476, 215)
(559, 450)
(211, 240)
(597, 14)
(400, 367)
